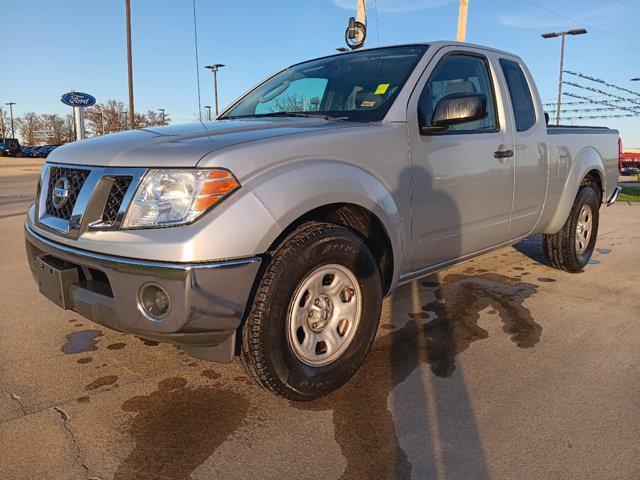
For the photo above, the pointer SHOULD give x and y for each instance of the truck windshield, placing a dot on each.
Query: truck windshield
(359, 86)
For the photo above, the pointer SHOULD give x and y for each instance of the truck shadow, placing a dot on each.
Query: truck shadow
(390, 421)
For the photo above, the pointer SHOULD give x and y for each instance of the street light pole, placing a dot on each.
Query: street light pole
(208, 107)
(11, 104)
(130, 66)
(577, 31)
(161, 110)
(214, 69)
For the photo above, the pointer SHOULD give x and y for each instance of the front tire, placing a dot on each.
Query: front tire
(571, 248)
(315, 313)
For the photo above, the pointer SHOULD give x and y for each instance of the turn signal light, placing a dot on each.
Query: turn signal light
(218, 184)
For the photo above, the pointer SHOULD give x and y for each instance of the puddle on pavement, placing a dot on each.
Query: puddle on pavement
(603, 251)
(364, 426)
(83, 341)
(101, 382)
(177, 428)
(593, 262)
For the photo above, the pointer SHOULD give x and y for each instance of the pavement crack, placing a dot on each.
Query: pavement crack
(18, 400)
(65, 418)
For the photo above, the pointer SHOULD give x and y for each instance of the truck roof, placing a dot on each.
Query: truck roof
(436, 44)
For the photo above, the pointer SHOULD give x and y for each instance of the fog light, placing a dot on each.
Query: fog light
(154, 302)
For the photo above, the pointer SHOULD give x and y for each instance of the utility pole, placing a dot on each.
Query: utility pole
(11, 104)
(161, 110)
(130, 66)
(208, 107)
(462, 20)
(361, 16)
(577, 31)
(214, 69)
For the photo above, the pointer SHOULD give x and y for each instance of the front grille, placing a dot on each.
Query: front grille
(75, 179)
(114, 200)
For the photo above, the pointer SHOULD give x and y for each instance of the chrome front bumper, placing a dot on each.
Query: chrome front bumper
(208, 300)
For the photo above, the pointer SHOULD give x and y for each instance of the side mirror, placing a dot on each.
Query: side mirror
(454, 109)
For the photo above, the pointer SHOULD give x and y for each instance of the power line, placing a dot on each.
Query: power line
(195, 37)
(606, 32)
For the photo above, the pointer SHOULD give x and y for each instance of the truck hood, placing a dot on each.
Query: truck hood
(181, 145)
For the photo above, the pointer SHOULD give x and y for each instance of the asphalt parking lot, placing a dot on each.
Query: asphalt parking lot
(498, 368)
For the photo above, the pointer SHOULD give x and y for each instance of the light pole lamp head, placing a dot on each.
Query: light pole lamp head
(551, 35)
(635, 79)
(577, 31)
(215, 67)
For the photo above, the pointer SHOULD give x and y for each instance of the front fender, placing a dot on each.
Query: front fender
(291, 190)
(586, 160)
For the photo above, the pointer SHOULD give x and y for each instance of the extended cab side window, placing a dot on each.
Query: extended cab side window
(524, 111)
(461, 73)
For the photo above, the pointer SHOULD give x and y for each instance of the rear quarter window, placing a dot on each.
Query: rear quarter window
(524, 111)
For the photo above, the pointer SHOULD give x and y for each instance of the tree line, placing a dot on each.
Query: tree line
(55, 129)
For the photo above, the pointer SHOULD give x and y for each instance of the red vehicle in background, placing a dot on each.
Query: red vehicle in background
(630, 159)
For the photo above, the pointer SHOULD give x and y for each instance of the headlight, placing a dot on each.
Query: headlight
(174, 197)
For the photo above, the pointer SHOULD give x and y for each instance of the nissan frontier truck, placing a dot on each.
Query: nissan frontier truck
(274, 232)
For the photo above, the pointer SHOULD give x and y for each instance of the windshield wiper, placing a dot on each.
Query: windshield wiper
(291, 114)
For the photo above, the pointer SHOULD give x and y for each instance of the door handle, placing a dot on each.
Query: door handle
(500, 153)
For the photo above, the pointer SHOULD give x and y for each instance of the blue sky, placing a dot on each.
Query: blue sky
(52, 47)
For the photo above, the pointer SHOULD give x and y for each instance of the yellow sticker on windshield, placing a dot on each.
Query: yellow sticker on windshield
(382, 89)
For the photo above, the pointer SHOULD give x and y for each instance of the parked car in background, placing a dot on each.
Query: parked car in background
(9, 147)
(41, 151)
(26, 151)
(274, 232)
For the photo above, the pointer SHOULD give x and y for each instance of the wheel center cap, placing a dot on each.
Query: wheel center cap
(320, 313)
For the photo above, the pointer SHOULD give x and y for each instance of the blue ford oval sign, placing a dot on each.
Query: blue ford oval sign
(78, 99)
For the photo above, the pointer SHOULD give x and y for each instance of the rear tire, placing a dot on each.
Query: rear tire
(570, 249)
(315, 313)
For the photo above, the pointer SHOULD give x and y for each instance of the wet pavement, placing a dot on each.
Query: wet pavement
(497, 368)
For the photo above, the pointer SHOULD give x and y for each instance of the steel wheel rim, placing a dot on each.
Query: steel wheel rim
(584, 229)
(324, 315)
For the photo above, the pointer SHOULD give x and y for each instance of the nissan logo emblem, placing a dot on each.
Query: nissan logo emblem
(60, 192)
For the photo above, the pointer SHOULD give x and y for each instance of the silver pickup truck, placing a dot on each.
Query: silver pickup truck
(274, 232)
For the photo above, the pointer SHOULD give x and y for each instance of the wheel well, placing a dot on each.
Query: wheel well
(593, 177)
(360, 220)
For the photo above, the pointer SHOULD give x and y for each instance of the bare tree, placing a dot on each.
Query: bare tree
(5, 124)
(113, 116)
(30, 128)
(69, 129)
(106, 117)
(53, 126)
(155, 119)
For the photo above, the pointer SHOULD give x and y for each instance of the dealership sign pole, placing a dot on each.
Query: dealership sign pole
(78, 101)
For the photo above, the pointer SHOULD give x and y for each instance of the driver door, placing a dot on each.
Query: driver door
(462, 193)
